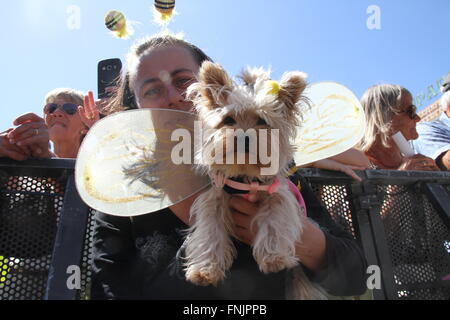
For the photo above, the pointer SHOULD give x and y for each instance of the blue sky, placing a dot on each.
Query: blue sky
(327, 39)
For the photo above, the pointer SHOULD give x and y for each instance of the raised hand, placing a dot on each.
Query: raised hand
(89, 113)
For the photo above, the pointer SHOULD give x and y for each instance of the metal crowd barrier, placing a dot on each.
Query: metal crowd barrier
(402, 220)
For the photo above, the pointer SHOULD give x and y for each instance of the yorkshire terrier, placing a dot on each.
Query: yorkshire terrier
(228, 113)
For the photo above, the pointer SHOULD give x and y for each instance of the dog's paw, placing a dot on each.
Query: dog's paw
(204, 276)
(275, 263)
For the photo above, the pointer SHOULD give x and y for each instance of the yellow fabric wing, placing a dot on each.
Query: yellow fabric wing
(332, 124)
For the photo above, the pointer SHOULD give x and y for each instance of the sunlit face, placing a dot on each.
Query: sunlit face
(62, 126)
(163, 77)
(405, 121)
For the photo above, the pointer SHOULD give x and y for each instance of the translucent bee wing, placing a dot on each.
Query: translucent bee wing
(333, 124)
(127, 164)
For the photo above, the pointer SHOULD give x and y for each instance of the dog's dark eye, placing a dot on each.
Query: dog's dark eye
(229, 121)
(261, 122)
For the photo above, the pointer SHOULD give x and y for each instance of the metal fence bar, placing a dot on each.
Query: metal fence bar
(374, 240)
(362, 205)
(440, 198)
(68, 246)
(365, 204)
(385, 262)
(429, 285)
(406, 177)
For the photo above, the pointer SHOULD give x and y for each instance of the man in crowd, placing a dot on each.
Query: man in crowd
(434, 136)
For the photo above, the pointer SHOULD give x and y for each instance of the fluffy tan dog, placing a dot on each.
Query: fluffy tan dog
(246, 146)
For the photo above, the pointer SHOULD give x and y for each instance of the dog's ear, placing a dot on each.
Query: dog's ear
(215, 84)
(292, 85)
(251, 76)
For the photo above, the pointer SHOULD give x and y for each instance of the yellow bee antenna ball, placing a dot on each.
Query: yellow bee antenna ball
(165, 9)
(273, 87)
(117, 23)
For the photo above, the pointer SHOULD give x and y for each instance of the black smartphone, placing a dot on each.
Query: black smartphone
(108, 72)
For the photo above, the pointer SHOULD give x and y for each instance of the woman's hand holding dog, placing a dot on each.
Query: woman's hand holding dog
(311, 249)
(243, 212)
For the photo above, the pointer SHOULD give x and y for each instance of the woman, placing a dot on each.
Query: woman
(389, 109)
(29, 222)
(65, 123)
(140, 258)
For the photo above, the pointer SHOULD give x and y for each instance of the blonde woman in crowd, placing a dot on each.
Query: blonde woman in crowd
(389, 109)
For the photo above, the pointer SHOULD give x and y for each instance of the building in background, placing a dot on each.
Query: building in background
(431, 112)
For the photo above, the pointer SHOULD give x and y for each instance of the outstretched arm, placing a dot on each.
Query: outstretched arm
(345, 162)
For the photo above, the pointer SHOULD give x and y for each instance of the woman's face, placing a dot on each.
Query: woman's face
(163, 77)
(62, 126)
(405, 121)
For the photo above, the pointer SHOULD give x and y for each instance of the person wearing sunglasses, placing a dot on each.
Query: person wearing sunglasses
(389, 109)
(62, 117)
(63, 124)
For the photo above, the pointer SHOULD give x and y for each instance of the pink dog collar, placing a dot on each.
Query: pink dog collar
(220, 181)
(254, 186)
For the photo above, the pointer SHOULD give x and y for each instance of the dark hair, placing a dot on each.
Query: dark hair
(123, 98)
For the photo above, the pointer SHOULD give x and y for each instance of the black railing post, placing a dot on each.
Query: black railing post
(23, 179)
(363, 203)
(440, 198)
(68, 246)
(373, 202)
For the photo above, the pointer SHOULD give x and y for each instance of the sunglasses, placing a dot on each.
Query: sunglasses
(69, 108)
(411, 111)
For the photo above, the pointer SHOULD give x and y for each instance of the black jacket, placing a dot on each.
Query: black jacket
(140, 258)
